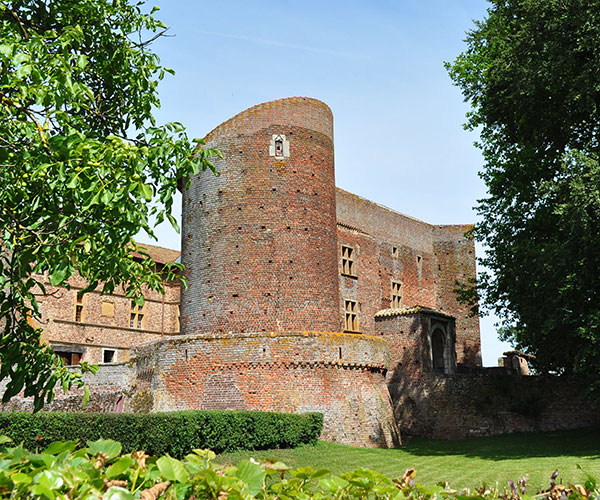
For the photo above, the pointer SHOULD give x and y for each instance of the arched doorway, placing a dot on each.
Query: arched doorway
(438, 344)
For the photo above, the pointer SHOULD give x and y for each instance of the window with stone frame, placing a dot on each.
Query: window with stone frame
(395, 253)
(396, 295)
(350, 316)
(136, 318)
(80, 307)
(348, 267)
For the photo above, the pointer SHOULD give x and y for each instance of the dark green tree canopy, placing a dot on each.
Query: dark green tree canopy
(531, 72)
(83, 165)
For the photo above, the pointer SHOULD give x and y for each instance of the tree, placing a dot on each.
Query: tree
(83, 165)
(531, 72)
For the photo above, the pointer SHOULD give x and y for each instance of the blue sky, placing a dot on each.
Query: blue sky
(398, 120)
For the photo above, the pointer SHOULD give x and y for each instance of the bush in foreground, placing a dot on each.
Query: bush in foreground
(100, 471)
(175, 433)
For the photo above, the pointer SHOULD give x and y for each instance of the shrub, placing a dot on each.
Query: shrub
(175, 433)
(101, 471)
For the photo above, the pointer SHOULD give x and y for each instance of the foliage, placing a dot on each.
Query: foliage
(531, 73)
(175, 433)
(83, 165)
(101, 471)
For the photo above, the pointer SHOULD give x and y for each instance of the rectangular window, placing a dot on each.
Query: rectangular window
(395, 253)
(109, 356)
(136, 318)
(79, 307)
(350, 316)
(396, 295)
(70, 358)
(348, 261)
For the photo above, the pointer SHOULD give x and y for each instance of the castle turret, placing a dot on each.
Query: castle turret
(259, 239)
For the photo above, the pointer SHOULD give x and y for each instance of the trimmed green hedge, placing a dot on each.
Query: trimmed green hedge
(175, 433)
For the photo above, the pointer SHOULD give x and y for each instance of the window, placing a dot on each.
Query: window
(136, 318)
(79, 307)
(396, 295)
(350, 316)
(109, 356)
(70, 354)
(348, 261)
(395, 253)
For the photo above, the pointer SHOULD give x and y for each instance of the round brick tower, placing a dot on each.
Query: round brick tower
(259, 240)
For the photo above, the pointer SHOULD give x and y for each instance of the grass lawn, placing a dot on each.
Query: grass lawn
(462, 463)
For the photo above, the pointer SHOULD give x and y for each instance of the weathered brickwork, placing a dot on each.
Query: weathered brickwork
(104, 321)
(426, 260)
(340, 375)
(463, 406)
(259, 240)
(273, 253)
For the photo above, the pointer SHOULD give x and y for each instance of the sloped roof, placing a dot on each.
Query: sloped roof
(406, 311)
(158, 254)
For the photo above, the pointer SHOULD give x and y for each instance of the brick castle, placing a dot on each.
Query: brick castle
(302, 296)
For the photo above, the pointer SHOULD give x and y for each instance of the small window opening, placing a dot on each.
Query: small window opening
(350, 316)
(279, 146)
(136, 318)
(396, 295)
(395, 253)
(109, 355)
(348, 260)
(79, 307)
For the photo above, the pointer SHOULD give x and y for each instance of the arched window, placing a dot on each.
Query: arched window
(438, 342)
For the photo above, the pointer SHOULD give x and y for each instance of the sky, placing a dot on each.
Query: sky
(399, 139)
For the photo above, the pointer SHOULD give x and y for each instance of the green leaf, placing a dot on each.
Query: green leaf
(172, 469)
(110, 448)
(86, 396)
(60, 446)
(119, 467)
(117, 493)
(252, 475)
(49, 480)
(21, 478)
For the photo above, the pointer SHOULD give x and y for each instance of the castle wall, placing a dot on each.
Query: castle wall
(463, 406)
(455, 262)
(339, 375)
(427, 260)
(259, 240)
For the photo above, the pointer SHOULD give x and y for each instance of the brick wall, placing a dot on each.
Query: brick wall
(340, 375)
(259, 240)
(427, 261)
(105, 322)
(462, 406)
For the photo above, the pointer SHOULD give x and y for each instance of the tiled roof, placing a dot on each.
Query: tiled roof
(158, 254)
(406, 311)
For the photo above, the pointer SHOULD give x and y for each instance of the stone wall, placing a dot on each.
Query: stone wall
(110, 391)
(463, 406)
(339, 375)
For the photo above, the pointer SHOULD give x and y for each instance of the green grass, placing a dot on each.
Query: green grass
(462, 463)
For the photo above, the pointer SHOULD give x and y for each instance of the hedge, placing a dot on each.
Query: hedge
(173, 433)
